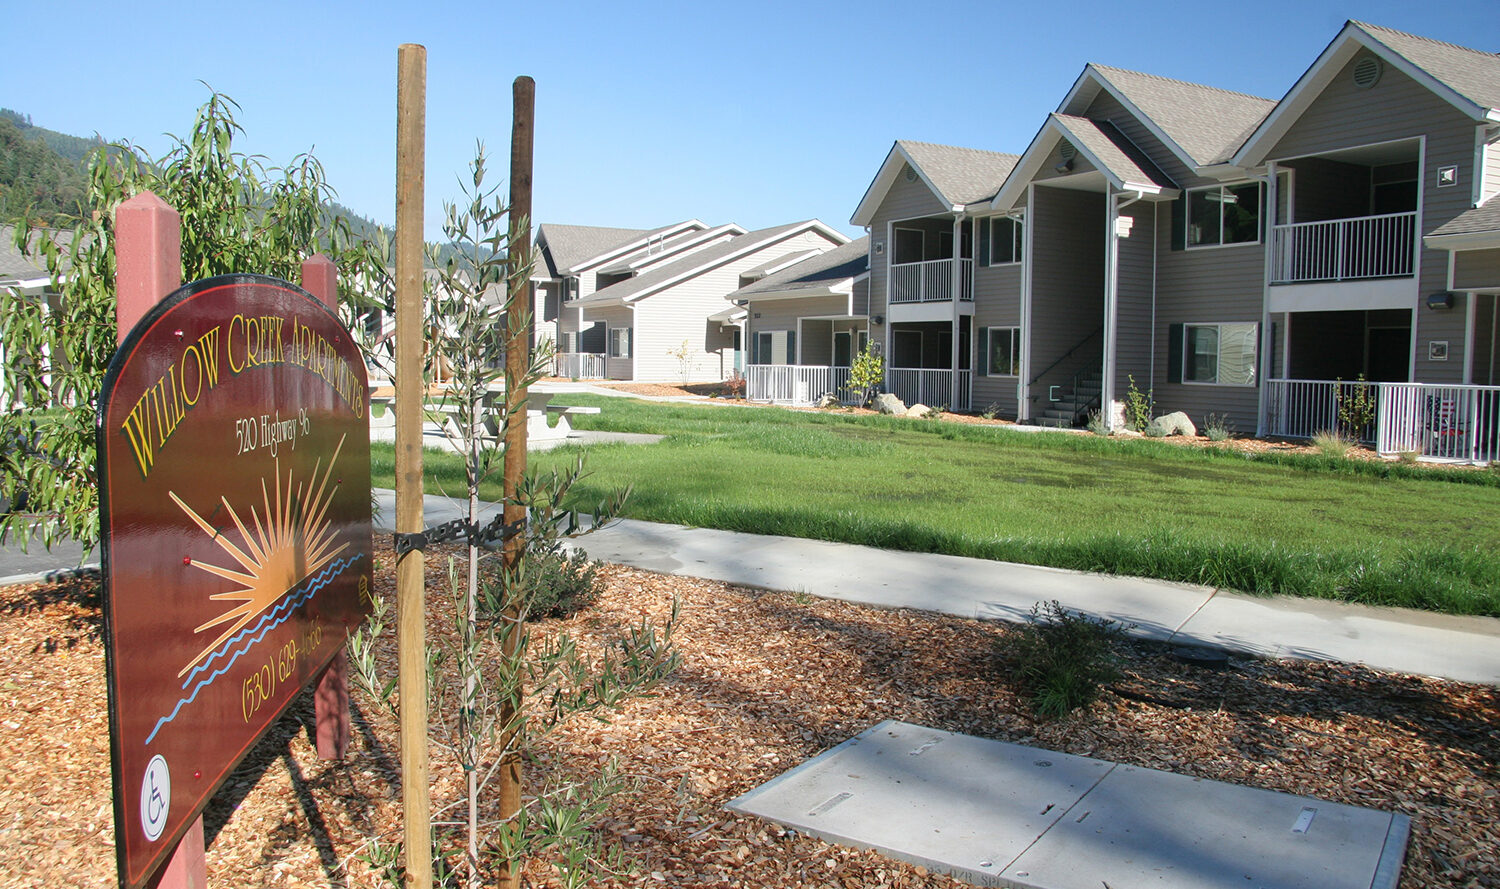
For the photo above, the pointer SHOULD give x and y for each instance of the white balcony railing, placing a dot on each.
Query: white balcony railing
(1440, 422)
(931, 281)
(796, 384)
(1344, 249)
(933, 388)
(579, 365)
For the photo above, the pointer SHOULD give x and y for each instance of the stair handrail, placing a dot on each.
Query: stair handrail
(1076, 346)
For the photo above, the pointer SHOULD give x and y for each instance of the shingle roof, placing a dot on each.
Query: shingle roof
(1473, 74)
(569, 246)
(817, 272)
(1208, 123)
(15, 266)
(1117, 153)
(961, 175)
(648, 281)
(630, 261)
(1484, 218)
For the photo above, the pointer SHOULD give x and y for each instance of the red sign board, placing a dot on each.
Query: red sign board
(234, 479)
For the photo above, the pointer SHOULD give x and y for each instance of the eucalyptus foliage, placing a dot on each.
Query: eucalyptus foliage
(239, 215)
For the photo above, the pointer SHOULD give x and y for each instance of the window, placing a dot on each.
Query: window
(1219, 353)
(775, 347)
(1000, 351)
(910, 246)
(1223, 214)
(1005, 241)
(619, 342)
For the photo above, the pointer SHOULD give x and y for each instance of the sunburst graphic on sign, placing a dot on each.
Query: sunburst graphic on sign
(293, 540)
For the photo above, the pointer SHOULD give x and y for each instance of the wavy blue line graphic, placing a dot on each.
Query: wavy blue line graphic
(310, 590)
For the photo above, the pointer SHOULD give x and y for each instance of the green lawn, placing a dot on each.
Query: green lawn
(1375, 533)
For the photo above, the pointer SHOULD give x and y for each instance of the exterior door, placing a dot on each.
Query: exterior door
(843, 346)
(1389, 355)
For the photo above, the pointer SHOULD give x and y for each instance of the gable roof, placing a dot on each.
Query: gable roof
(567, 249)
(657, 279)
(1116, 160)
(956, 176)
(832, 271)
(1201, 125)
(656, 251)
(1468, 79)
(28, 272)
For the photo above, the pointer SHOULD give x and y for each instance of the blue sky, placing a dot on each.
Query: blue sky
(650, 112)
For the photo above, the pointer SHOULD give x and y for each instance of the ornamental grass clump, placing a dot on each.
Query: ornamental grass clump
(1062, 659)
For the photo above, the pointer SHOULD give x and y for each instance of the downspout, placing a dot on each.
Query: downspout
(1267, 342)
(1023, 394)
(957, 293)
(1155, 258)
(1111, 300)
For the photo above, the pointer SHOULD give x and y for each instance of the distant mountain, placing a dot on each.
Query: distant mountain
(43, 173)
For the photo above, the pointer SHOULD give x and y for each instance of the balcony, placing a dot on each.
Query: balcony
(933, 388)
(931, 281)
(1437, 422)
(1338, 250)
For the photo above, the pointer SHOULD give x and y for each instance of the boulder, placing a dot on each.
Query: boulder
(1176, 423)
(829, 400)
(918, 410)
(887, 403)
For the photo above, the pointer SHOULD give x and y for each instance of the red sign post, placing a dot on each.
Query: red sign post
(235, 510)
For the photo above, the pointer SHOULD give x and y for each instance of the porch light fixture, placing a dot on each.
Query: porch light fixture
(878, 319)
(1065, 167)
(1440, 301)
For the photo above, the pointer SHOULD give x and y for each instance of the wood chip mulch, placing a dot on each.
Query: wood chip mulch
(767, 680)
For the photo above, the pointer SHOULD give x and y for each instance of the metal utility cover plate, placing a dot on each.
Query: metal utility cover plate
(1143, 827)
(963, 805)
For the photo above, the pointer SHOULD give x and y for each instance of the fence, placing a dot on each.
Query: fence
(933, 388)
(795, 383)
(1436, 421)
(579, 365)
(931, 281)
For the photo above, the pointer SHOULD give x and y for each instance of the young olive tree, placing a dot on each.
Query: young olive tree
(496, 689)
(867, 373)
(238, 215)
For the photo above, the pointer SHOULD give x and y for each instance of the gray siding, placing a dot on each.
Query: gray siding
(615, 316)
(997, 303)
(1067, 285)
(1105, 107)
(784, 314)
(1135, 295)
(1476, 269)
(1397, 107)
(1486, 340)
(1207, 285)
(905, 200)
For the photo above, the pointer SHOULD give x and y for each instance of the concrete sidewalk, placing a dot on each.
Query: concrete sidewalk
(1463, 648)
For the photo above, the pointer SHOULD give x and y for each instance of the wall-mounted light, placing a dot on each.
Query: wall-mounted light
(878, 319)
(1440, 301)
(1065, 167)
(879, 247)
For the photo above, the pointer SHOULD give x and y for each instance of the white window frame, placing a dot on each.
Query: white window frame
(619, 342)
(1015, 344)
(1018, 240)
(1187, 353)
(1187, 215)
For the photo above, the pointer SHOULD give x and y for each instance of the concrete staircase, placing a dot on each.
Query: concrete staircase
(1073, 403)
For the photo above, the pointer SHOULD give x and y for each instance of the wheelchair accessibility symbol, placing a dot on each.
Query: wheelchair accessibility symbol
(156, 797)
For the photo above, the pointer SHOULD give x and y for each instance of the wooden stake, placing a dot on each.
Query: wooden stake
(416, 804)
(517, 363)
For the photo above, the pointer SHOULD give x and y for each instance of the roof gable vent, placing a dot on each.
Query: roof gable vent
(1066, 151)
(911, 175)
(1367, 72)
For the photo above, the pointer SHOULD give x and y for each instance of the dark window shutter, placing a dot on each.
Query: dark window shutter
(630, 342)
(984, 352)
(1179, 222)
(791, 347)
(1174, 353)
(984, 242)
(1268, 361)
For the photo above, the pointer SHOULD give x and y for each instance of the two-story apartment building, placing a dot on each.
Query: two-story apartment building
(1232, 254)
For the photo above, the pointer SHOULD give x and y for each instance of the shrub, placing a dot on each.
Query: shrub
(1140, 407)
(990, 412)
(1096, 423)
(1408, 457)
(1356, 407)
(565, 584)
(1217, 428)
(1154, 430)
(1063, 658)
(867, 373)
(1331, 444)
(936, 413)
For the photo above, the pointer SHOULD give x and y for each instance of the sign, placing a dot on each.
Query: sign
(234, 483)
